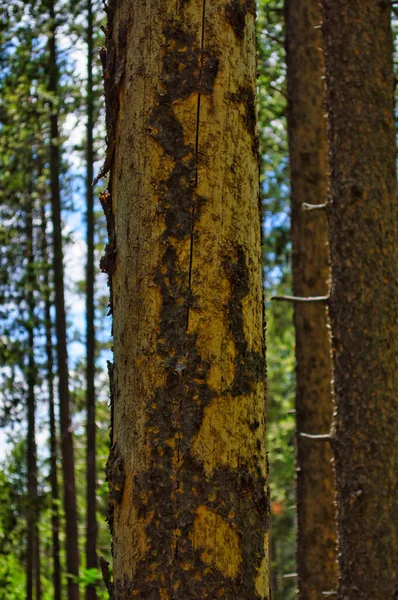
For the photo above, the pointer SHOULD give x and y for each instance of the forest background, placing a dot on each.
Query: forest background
(27, 104)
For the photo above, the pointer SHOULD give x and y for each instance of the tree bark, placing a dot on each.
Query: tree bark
(55, 528)
(189, 507)
(363, 220)
(68, 464)
(32, 503)
(316, 524)
(91, 518)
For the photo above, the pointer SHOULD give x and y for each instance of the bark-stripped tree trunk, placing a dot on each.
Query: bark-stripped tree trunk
(51, 410)
(68, 464)
(316, 528)
(363, 220)
(91, 506)
(32, 586)
(187, 470)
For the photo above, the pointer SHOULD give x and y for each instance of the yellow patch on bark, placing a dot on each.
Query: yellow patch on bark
(218, 541)
(262, 577)
(132, 526)
(225, 438)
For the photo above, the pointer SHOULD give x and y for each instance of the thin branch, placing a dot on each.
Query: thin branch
(273, 38)
(289, 575)
(323, 437)
(305, 206)
(279, 90)
(330, 593)
(300, 299)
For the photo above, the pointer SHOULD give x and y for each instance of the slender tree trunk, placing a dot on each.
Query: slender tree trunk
(363, 219)
(187, 469)
(316, 524)
(51, 409)
(33, 568)
(91, 539)
(32, 474)
(273, 572)
(37, 556)
(68, 465)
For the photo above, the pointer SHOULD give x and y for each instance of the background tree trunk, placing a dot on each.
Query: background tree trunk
(32, 500)
(187, 470)
(51, 411)
(363, 218)
(316, 525)
(68, 464)
(91, 531)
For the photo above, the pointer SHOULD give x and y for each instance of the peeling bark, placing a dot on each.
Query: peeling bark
(189, 499)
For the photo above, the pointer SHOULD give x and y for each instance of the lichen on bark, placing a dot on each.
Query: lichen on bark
(184, 182)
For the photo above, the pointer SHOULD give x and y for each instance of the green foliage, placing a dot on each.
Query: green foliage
(93, 577)
(280, 333)
(12, 524)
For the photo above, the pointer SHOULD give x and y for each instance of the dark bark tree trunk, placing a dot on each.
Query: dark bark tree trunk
(33, 569)
(68, 465)
(55, 521)
(316, 523)
(187, 469)
(363, 221)
(91, 531)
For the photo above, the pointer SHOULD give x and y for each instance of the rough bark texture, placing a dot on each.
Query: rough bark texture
(187, 470)
(363, 218)
(316, 528)
(91, 505)
(51, 413)
(68, 464)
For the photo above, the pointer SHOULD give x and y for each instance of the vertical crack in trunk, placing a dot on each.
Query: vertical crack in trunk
(196, 156)
(191, 250)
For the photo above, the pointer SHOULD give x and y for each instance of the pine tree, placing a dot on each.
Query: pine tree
(55, 517)
(91, 507)
(187, 469)
(316, 529)
(363, 221)
(68, 466)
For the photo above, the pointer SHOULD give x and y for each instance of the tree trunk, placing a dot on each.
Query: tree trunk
(51, 409)
(31, 435)
(363, 219)
(187, 469)
(316, 527)
(33, 569)
(68, 465)
(91, 531)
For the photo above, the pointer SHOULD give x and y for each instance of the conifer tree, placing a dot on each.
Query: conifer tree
(68, 465)
(363, 223)
(316, 529)
(187, 468)
(91, 507)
